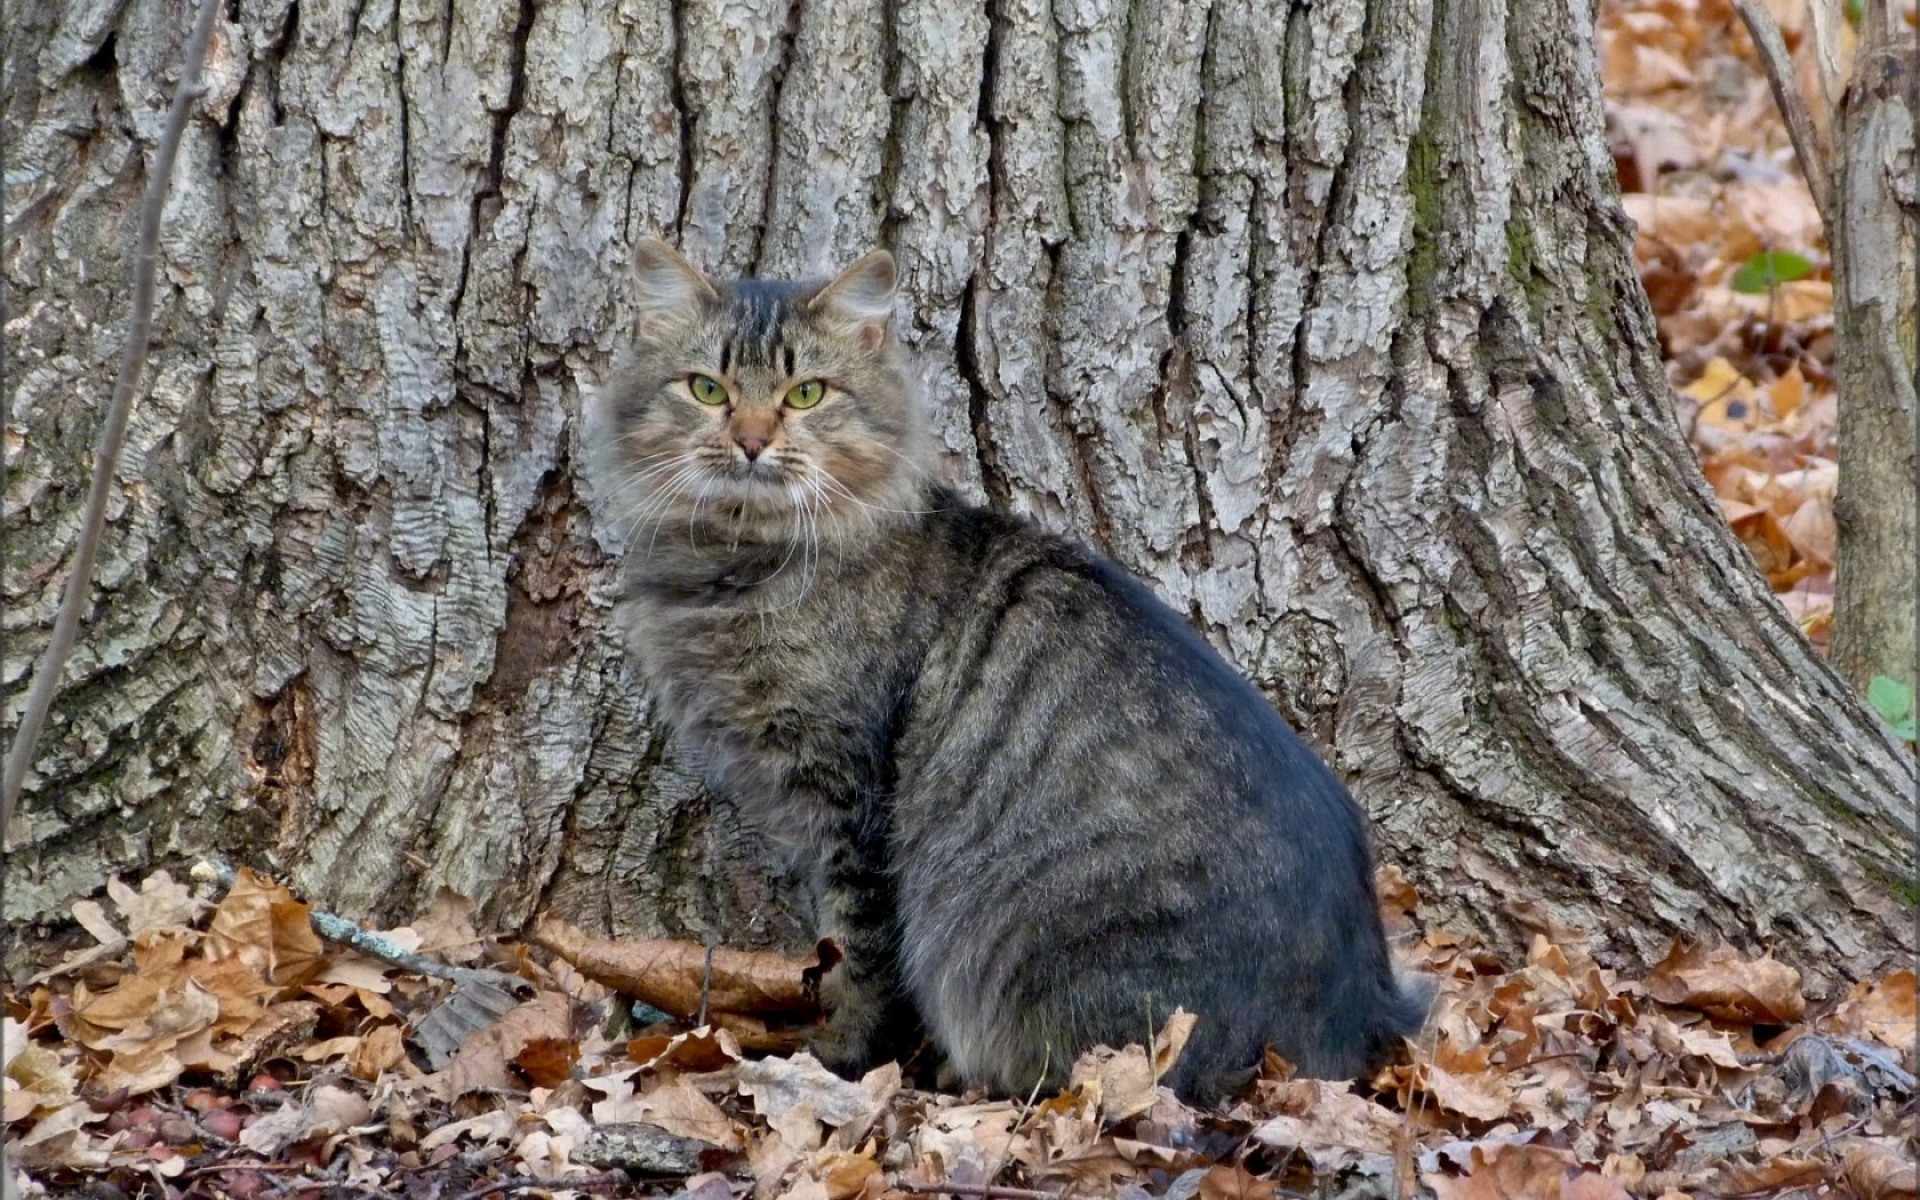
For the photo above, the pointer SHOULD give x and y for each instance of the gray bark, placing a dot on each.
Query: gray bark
(1319, 317)
(1876, 619)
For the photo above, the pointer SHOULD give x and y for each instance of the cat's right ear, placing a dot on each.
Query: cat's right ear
(667, 288)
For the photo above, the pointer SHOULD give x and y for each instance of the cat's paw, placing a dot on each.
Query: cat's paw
(845, 1052)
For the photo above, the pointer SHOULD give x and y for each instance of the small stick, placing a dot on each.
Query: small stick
(346, 933)
(1816, 158)
(133, 361)
(706, 979)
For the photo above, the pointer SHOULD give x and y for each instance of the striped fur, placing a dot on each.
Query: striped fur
(1042, 811)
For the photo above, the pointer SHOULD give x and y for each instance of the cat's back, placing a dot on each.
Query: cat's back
(1151, 833)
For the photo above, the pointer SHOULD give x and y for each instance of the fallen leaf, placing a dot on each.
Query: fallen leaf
(264, 926)
(1877, 1172)
(797, 1095)
(1885, 1011)
(160, 903)
(674, 1105)
(482, 1062)
(669, 974)
(1721, 983)
(1125, 1083)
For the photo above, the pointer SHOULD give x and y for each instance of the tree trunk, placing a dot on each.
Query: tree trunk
(1321, 317)
(1876, 211)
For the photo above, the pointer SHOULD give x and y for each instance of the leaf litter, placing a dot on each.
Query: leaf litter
(1734, 258)
(222, 1050)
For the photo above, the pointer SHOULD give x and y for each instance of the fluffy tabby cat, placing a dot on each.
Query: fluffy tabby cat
(1042, 811)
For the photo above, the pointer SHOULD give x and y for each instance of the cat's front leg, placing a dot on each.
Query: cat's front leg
(869, 1018)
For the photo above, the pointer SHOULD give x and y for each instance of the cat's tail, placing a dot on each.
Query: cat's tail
(1406, 1002)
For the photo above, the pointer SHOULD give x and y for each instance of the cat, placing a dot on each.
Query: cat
(1040, 810)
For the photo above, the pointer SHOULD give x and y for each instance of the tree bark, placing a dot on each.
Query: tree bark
(1320, 317)
(1876, 619)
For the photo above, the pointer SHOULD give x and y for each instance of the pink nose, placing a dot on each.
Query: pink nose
(750, 445)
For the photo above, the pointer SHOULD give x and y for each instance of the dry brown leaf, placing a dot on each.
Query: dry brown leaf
(673, 1104)
(264, 926)
(446, 930)
(702, 1049)
(668, 974)
(1462, 1079)
(59, 1140)
(1230, 1181)
(482, 1062)
(37, 1082)
(1776, 1174)
(968, 1139)
(1721, 983)
(1884, 1011)
(1125, 1083)
(548, 1061)
(1497, 1171)
(1693, 1040)
(1334, 1128)
(848, 1176)
(160, 903)
(796, 1095)
(325, 1111)
(1878, 1172)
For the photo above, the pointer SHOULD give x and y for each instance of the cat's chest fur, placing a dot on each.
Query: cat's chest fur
(785, 693)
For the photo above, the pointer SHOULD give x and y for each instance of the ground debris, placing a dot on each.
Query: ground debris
(203, 1056)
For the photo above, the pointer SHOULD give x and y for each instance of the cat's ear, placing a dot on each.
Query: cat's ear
(861, 297)
(667, 288)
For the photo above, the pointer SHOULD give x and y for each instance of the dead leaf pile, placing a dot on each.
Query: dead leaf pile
(208, 1049)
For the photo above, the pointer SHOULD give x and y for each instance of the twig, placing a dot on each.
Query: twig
(133, 362)
(346, 933)
(583, 1182)
(1816, 157)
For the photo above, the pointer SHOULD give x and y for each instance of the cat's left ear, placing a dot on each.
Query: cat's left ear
(667, 288)
(860, 296)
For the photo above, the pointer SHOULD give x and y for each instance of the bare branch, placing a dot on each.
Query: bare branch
(133, 361)
(1816, 157)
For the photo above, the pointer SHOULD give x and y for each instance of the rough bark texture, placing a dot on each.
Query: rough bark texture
(1876, 211)
(1319, 316)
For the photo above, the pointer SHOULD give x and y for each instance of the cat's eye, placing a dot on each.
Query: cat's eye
(806, 395)
(706, 389)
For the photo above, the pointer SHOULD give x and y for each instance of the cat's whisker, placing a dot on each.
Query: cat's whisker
(844, 491)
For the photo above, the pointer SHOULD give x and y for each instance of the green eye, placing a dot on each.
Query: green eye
(706, 389)
(806, 395)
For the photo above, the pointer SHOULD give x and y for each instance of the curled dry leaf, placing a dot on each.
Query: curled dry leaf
(1884, 1011)
(672, 1104)
(797, 1095)
(159, 904)
(1721, 983)
(1876, 1172)
(482, 1061)
(1333, 1127)
(1125, 1083)
(702, 1049)
(265, 927)
(668, 974)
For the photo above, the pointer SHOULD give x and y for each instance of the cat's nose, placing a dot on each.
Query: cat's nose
(750, 444)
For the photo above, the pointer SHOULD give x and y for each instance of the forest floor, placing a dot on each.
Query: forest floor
(210, 1044)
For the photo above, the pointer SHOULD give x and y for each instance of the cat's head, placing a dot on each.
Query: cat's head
(776, 410)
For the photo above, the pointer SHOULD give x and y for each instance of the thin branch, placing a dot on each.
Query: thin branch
(133, 362)
(339, 930)
(1816, 157)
